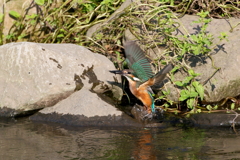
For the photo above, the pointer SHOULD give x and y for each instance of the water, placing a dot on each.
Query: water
(22, 139)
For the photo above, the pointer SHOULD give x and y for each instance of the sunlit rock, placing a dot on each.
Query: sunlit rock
(225, 82)
(84, 108)
(35, 76)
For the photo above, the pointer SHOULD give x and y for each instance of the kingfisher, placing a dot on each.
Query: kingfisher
(140, 75)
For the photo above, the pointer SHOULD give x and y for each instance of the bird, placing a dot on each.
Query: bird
(140, 75)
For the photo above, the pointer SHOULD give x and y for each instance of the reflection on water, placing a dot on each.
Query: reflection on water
(23, 140)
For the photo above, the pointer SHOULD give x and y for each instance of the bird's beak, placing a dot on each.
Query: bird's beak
(122, 72)
(117, 72)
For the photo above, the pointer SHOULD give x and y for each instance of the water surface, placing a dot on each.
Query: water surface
(22, 139)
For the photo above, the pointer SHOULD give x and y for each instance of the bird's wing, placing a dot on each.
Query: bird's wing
(156, 80)
(159, 77)
(137, 61)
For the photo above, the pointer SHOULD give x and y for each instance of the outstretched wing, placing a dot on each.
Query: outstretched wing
(159, 77)
(137, 61)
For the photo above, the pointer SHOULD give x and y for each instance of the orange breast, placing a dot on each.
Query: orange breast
(144, 96)
(141, 93)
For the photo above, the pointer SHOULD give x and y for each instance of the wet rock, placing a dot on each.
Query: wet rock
(35, 76)
(215, 119)
(81, 120)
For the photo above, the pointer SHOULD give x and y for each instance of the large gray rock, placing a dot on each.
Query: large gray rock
(34, 76)
(85, 103)
(226, 82)
(84, 108)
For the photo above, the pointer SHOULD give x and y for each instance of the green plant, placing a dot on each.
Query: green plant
(59, 22)
(1, 27)
(193, 90)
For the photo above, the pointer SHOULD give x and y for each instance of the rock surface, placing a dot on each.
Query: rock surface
(220, 119)
(83, 108)
(85, 103)
(35, 76)
(226, 82)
